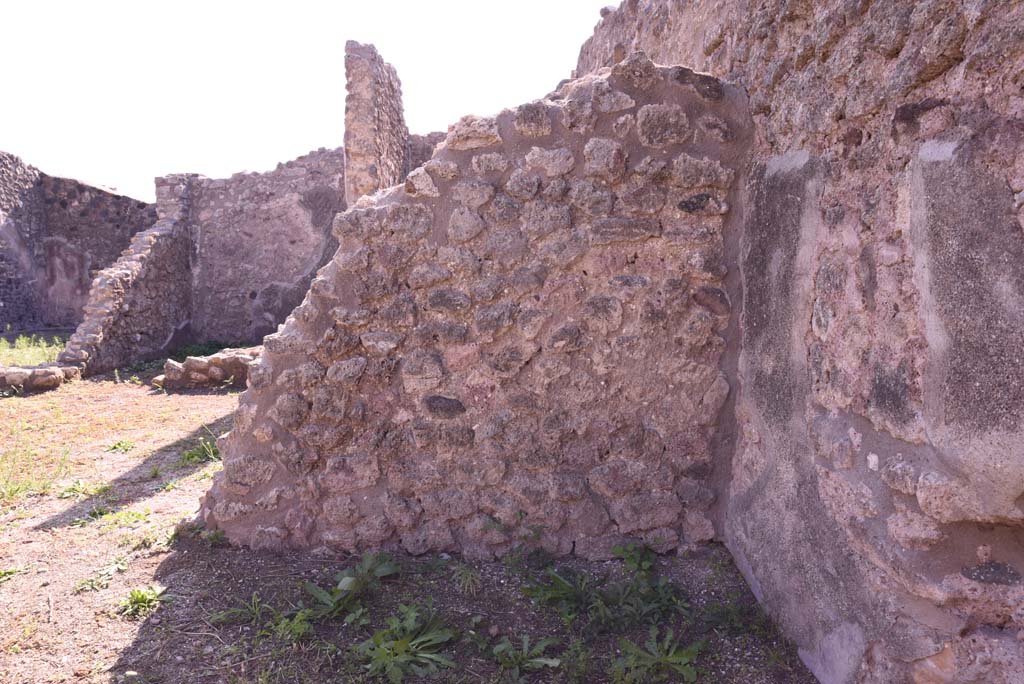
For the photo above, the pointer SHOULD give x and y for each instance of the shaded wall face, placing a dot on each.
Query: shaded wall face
(257, 241)
(56, 235)
(86, 230)
(522, 342)
(20, 218)
(877, 480)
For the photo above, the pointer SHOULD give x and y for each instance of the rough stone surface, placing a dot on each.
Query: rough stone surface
(252, 242)
(36, 378)
(497, 352)
(258, 239)
(228, 367)
(55, 235)
(226, 262)
(377, 146)
(140, 307)
(879, 435)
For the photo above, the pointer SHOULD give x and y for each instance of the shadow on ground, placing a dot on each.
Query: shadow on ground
(183, 641)
(139, 483)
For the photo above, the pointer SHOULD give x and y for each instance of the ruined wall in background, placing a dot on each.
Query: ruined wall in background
(20, 215)
(376, 137)
(876, 501)
(226, 262)
(522, 342)
(55, 234)
(258, 238)
(421, 148)
(140, 307)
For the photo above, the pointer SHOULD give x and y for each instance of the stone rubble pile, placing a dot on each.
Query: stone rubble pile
(226, 368)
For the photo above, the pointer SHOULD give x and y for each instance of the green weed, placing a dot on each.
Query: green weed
(8, 574)
(576, 660)
(468, 579)
(295, 628)
(121, 446)
(638, 558)
(410, 644)
(204, 452)
(101, 580)
(351, 584)
(657, 661)
(141, 602)
(248, 612)
(79, 490)
(31, 350)
(515, 661)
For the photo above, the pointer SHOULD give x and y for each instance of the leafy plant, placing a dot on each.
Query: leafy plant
(657, 661)
(570, 593)
(121, 446)
(101, 580)
(576, 663)
(477, 636)
(738, 616)
(593, 605)
(514, 662)
(410, 644)
(142, 602)
(79, 490)
(248, 612)
(95, 513)
(30, 350)
(468, 579)
(351, 584)
(205, 451)
(295, 628)
(637, 602)
(8, 574)
(214, 538)
(638, 558)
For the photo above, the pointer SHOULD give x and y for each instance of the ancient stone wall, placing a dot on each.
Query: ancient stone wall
(522, 343)
(376, 137)
(19, 216)
(258, 238)
(226, 262)
(421, 148)
(55, 235)
(226, 368)
(876, 490)
(140, 307)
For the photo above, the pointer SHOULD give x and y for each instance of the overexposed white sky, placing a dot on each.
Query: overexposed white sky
(116, 93)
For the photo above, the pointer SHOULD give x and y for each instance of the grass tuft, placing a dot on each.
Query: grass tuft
(31, 350)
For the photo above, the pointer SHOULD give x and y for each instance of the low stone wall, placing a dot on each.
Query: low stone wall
(521, 343)
(140, 307)
(40, 378)
(229, 367)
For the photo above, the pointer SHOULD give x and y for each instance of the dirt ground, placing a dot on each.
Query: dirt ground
(99, 483)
